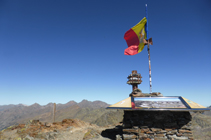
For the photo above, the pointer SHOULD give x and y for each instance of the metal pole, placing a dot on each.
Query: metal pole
(150, 79)
(146, 26)
(147, 32)
(54, 110)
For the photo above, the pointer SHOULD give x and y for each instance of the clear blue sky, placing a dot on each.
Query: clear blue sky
(57, 51)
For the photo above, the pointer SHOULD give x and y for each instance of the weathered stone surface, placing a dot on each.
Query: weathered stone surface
(149, 132)
(174, 137)
(118, 137)
(170, 133)
(159, 135)
(161, 132)
(144, 130)
(186, 127)
(159, 125)
(174, 131)
(168, 129)
(48, 124)
(191, 138)
(131, 130)
(187, 135)
(159, 138)
(56, 131)
(129, 136)
(156, 129)
(135, 127)
(179, 134)
(90, 133)
(143, 135)
(21, 125)
(184, 131)
(147, 139)
(35, 121)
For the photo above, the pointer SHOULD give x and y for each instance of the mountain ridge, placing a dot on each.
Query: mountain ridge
(72, 102)
(93, 112)
(14, 114)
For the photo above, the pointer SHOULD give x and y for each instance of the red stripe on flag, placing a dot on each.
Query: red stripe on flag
(132, 50)
(132, 42)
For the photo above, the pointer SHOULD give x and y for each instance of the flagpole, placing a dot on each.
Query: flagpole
(148, 49)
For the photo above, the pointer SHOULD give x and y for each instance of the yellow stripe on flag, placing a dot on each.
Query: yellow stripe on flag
(139, 29)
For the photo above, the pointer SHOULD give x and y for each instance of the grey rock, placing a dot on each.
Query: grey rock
(29, 138)
(48, 124)
(177, 138)
(118, 137)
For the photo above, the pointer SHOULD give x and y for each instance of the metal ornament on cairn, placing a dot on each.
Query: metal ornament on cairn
(134, 79)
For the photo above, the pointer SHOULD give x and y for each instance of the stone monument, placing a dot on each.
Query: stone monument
(154, 116)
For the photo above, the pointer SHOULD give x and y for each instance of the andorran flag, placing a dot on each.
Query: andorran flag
(135, 38)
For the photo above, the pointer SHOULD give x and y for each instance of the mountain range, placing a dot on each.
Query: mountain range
(93, 112)
(87, 111)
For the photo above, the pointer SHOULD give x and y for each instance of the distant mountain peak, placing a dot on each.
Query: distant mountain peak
(23, 105)
(84, 100)
(95, 104)
(71, 102)
(35, 105)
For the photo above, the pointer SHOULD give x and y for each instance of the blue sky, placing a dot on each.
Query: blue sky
(57, 51)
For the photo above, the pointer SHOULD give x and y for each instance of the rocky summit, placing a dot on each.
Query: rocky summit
(68, 129)
(75, 129)
(91, 121)
(85, 110)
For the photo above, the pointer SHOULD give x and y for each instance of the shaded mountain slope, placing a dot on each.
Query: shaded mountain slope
(3, 107)
(99, 116)
(208, 112)
(94, 104)
(110, 117)
(201, 126)
(15, 114)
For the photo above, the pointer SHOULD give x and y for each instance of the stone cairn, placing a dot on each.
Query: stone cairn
(153, 125)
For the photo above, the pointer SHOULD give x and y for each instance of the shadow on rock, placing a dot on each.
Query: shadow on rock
(112, 133)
